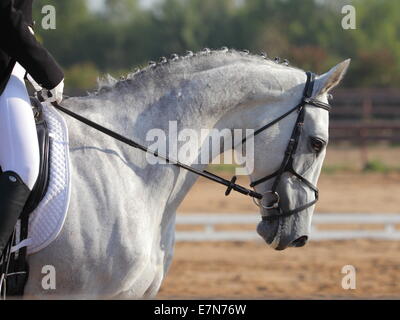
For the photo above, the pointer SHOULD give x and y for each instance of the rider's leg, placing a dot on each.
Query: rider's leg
(19, 152)
(19, 148)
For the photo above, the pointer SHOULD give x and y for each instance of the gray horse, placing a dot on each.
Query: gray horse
(118, 238)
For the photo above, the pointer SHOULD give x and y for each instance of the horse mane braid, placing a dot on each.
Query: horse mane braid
(108, 83)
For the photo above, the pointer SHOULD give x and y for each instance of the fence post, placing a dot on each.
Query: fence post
(366, 118)
(209, 228)
(389, 228)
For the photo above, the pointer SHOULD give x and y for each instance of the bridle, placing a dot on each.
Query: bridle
(286, 166)
(287, 163)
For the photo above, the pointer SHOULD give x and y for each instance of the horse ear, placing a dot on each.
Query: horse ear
(332, 78)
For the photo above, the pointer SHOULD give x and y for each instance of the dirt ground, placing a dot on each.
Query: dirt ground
(251, 270)
(247, 270)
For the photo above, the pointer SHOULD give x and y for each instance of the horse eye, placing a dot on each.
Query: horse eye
(317, 144)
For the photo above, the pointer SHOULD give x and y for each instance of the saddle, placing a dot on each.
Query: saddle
(40, 188)
(16, 267)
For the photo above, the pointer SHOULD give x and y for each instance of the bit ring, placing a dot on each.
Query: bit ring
(275, 205)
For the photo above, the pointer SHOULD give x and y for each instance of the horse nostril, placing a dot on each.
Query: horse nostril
(299, 242)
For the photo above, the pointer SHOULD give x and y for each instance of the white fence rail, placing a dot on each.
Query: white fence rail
(384, 226)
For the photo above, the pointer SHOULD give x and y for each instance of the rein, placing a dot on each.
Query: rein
(231, 184)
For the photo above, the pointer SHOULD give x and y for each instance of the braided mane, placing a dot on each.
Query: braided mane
(195, 62)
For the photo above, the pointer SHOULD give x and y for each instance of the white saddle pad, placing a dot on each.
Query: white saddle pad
(46, 222)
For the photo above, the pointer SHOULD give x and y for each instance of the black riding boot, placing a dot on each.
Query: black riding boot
(13, 196)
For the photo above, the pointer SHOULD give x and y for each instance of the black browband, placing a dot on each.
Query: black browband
(286, 165)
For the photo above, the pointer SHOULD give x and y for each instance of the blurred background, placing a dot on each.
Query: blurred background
(114, 36)
(361, 174)
(98, 37)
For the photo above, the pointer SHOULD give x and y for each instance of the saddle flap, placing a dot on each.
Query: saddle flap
(42, 182)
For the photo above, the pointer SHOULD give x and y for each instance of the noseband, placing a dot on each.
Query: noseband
(287, 163)
(286, 166)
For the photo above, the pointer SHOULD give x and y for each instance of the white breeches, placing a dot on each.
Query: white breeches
(19, 148)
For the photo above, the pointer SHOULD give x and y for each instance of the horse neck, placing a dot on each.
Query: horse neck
(199, 101)
(195, 101)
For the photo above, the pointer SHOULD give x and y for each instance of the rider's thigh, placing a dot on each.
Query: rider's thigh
(19, 149)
